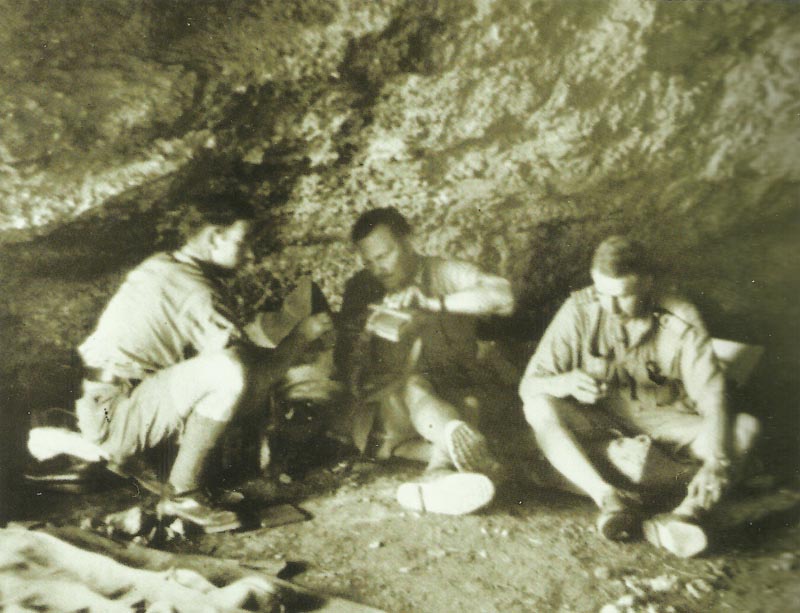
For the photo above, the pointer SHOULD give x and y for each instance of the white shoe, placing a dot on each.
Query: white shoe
(680, 536)
(469, 450)
(453, 494)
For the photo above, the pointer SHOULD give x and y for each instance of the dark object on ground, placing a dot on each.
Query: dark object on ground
(68, 474)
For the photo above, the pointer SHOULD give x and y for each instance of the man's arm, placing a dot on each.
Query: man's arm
(492, 295)
(704, 381)
(471, 291)
(551, 371)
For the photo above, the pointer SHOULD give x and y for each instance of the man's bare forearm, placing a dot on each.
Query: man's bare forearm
(539, 386)
(490, 299)
(716, 430)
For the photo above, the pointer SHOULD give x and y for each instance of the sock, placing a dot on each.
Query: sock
(199, 437)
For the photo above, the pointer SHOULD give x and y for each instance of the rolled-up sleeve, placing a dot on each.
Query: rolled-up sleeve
(700, 370)
(209, 326)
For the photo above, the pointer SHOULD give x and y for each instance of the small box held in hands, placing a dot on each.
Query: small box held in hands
(388, 323)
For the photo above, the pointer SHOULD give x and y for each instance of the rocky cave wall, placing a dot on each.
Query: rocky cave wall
(514, 133)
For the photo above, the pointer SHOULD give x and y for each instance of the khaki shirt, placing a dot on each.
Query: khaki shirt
(662, 361)
(166, 310)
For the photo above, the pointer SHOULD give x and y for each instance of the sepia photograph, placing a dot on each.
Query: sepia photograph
(401, 306)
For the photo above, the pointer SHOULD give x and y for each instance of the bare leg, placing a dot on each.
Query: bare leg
(551, 419)
(208, 420)
(429, 413)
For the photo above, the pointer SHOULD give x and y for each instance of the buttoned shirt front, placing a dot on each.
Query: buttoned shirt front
(663, 361)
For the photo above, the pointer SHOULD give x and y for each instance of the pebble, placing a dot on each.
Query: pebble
(87, 523)
(482, 553)
(129, 522)
(178, 528)
(602, 573)
(339, 467)
(404, 569)
(375, 545)
(663, 583)
(627, 600)
(697, 588)
(610, 608)
(635, 589)
(284, 478)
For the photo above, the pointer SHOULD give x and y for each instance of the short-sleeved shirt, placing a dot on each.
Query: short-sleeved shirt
(449, 340)
(664, 361)
(167, 309)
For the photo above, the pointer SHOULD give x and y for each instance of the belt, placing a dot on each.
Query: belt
(98, 375)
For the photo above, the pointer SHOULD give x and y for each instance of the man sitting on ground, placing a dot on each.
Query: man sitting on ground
(166, 357)
(623, 355)
(423, 384)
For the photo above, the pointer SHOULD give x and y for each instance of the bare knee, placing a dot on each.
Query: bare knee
(746, 430)
(229, 372)
(416, 388)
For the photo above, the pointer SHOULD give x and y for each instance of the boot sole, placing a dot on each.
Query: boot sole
(468, 449)
(678, 536)
(207, 528)
(456, 494)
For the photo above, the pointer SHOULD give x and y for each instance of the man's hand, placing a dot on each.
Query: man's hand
(579, 385)
(411, 297)
(311, 328)
(707, 487)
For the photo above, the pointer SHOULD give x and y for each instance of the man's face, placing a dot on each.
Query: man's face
(229, 244)
(388, 258)
(625, 297)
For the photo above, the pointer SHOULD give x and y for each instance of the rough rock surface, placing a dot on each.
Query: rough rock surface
(514, 133)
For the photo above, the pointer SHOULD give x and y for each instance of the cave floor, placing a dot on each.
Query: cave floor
(531, 550)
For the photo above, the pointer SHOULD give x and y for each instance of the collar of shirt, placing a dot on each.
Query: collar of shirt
(626, 335)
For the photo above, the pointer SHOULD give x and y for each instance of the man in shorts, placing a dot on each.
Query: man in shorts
(425, 388)
(625, 355)
(167, 358)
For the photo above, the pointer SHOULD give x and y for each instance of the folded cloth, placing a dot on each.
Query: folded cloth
(48, 442)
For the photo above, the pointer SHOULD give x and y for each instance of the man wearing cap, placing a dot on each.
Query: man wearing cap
(167, 358)
(624, 355)
(421, 385)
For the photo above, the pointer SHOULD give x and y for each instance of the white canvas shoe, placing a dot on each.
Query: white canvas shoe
(452, 494)
(678, 535)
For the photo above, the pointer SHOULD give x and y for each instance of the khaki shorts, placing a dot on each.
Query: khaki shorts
(127, 417)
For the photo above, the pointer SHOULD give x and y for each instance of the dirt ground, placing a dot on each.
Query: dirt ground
(531, 550)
